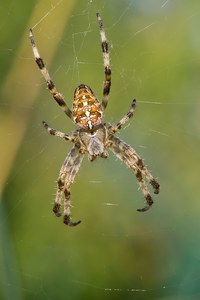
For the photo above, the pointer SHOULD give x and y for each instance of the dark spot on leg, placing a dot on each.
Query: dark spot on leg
(104, 47)
(139, 175)
(52, 131)
(67, 221)
(56, 209)
(106, 89)
(149, 203)
(67, 194)
(40, 63)
(60, 184)
(50, 85)
(149, 200)
(108, 72)
(155, 185)
(129, 114)
(140, 163)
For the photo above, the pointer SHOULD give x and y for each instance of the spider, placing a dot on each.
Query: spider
(93, 137)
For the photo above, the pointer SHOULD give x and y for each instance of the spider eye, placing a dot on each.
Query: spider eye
(87, 111)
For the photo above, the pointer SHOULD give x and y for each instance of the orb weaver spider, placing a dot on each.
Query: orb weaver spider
(93, 137)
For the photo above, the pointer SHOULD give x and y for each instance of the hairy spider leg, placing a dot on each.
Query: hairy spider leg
(139, 161)
(58, 133)
(51, 86)
(129, 156)
(66, 178)
(106, 61)
(148, 175)
(125, 119)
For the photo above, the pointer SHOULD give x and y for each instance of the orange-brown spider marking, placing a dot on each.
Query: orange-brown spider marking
(87, 111)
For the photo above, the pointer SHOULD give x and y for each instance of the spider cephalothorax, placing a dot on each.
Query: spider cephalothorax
(93, 137)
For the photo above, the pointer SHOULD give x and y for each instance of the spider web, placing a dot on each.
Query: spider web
(116, 252)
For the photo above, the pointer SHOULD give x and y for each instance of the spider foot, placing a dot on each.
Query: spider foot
(149, 203)
(143, 209)
(56, 210)
(45, 124)
(67, 221)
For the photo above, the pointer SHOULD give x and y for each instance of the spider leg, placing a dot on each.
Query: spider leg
(106, 61)
(125, 119)
(51, 86)
(60, 134)
(66, 178)
(148, 175)
(129, 156)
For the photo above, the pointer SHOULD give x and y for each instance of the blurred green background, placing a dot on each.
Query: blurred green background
(116, 252)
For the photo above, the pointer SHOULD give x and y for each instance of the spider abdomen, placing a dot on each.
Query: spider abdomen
(87, 111)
